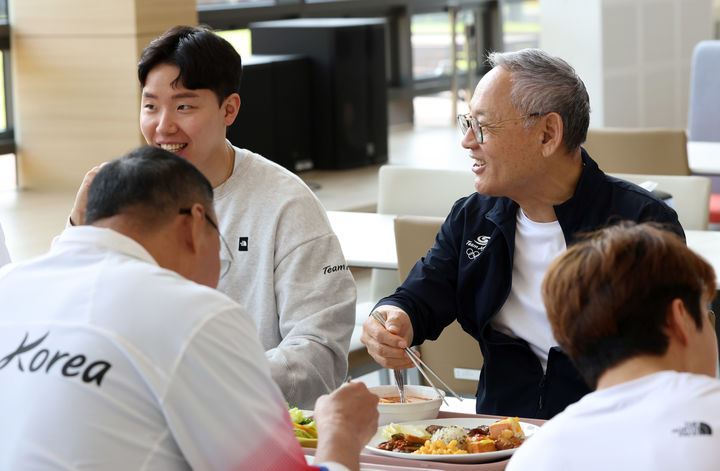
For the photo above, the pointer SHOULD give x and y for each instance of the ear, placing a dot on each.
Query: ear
(191, 228)
(231, 106)
(679, 322)
(551, 128)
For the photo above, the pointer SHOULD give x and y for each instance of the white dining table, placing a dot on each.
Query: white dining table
(367, 239)
(704, 157)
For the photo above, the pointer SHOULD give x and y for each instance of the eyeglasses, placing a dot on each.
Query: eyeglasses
(226, 259)
(466, 121)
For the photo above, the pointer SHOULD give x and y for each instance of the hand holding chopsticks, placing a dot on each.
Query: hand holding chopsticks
(387, 344)
(419, 364)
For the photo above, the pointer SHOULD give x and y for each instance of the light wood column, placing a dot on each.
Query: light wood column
(75, 87)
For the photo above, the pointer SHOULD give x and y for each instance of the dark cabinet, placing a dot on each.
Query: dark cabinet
(348, 90)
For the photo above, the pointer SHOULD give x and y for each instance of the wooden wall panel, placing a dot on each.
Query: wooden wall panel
(78, 106)
(73, 17)
(75, 92)
(156, 16)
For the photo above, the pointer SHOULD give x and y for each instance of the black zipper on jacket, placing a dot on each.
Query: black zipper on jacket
(542, 392)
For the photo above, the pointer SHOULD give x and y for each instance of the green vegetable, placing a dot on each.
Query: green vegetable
(304, 426)
(298, 417)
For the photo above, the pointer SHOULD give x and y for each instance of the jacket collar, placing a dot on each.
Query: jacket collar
(104, 238)
(572, 213)
(504, 212)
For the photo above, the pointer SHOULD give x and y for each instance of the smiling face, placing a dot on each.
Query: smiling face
(189, 123)
(509, 160)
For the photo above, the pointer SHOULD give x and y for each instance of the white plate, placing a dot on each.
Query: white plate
(528, 429)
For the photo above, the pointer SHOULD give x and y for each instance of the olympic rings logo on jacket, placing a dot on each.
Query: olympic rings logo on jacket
(476, 246)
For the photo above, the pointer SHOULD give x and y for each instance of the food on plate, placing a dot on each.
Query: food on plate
(403, 443)
(304, 426)
(438, 447)
(396, 399)
(507, 433)
(508, 423)
(450, 440)
(449, 434)
(479, 441)
(503, 434)
(403, 438)
(392, 429)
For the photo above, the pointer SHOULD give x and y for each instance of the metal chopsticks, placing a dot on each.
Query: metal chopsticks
(400, 385)
(418, 362)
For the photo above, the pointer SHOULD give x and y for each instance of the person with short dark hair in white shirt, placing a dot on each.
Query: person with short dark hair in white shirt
(117, 352)
(629, 305)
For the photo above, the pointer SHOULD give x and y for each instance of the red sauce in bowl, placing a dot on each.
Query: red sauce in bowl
(396, 399)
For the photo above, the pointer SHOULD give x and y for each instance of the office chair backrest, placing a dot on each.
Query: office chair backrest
(704, 106)
(455, 356)
(646, 151)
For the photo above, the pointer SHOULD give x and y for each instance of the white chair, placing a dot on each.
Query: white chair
(415, 192)
(690, 196)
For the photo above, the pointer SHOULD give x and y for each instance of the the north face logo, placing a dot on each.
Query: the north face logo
(693, 428)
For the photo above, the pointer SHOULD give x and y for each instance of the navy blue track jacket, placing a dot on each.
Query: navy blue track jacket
(467, 273)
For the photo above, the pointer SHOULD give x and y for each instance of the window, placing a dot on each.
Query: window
(521, 24)
(240, 39)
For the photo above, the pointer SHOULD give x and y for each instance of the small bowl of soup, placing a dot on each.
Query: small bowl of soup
(421, 403)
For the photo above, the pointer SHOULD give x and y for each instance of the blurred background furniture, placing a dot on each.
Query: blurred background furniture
(266, 95)
(639, 150)
(690, 195)
(406, 191)
(455, 356)
(704, 106)
(348, 84)
(645, 153)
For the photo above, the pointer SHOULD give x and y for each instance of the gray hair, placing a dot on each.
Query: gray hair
(543, 84)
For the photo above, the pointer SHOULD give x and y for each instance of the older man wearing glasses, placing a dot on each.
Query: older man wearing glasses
(536, 189)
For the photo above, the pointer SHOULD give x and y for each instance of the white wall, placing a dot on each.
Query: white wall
(633, 55)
